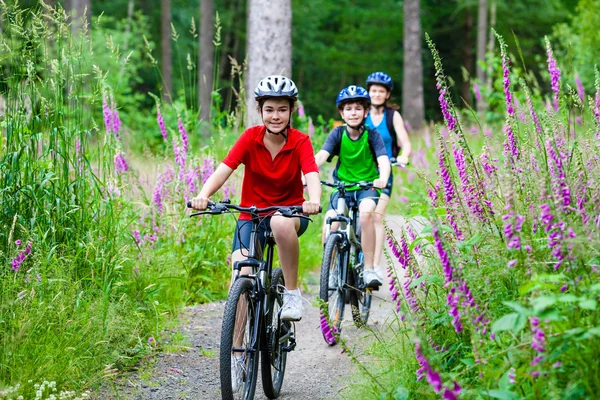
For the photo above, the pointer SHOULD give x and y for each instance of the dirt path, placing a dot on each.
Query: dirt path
(314, 370)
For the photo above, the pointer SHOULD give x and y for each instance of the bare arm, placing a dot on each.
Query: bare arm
(313, 184)
(321, 157)
(314, 193)
(213, 183)
(383, 162)
(402, 136)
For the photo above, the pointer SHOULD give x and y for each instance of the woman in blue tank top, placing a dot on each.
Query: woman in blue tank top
(380, 87)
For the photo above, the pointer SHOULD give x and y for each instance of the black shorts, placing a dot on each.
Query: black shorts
(355, 196)
(243, 228)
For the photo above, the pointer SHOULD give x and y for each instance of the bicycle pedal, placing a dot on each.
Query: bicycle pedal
(291, 346)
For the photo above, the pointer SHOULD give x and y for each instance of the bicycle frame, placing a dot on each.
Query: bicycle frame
(348, 219)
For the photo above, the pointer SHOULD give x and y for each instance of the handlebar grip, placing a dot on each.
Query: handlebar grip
(189, 204)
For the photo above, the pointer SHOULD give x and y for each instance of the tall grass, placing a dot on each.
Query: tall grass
(498, 296)
(97, 250)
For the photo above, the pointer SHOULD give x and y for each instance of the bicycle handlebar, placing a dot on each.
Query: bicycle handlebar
(394, 163)
(343, 185)
(222, 207)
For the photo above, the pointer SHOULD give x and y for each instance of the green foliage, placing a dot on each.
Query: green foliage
(578, 45)
(500, 299)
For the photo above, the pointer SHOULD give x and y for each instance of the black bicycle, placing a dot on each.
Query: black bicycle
(342, 267)
(251, 322)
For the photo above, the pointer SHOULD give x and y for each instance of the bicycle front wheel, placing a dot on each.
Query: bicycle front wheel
(239, 342)
(360, 298)
(277, 333)
(332, 283)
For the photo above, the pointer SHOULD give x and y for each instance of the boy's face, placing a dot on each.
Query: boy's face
(353, 114)
(276, 114)
(379, 94)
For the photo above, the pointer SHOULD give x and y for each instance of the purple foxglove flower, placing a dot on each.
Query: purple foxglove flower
(121, 165)
(184, 135)
(161, 124)
(476, 90)
(108, 115)
(580, 89)
(554, 75)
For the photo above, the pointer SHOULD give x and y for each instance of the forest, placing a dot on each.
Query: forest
(114, 113)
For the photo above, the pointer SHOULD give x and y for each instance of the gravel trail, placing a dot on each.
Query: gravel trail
(314, 369)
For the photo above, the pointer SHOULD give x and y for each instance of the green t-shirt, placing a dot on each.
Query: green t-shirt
(357, 159)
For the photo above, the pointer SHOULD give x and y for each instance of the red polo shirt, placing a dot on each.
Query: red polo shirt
(267, 181)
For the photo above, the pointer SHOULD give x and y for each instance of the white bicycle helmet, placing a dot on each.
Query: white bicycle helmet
(276, 86)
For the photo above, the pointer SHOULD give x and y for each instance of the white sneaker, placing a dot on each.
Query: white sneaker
(238, 370)
(292, 308)
(371, 278)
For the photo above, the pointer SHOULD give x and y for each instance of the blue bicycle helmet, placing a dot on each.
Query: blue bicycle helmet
(380, 78)
(353, 93)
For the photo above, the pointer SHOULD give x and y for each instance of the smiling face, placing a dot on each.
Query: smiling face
(379, 94)
(276, 113)
(353, 113)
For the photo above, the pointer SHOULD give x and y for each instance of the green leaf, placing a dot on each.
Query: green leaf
(567, 298)
(502, 394)
(517, 307)
(588, 304)
(556, 278)
(467, 361)
(506, 323)
(416, 242)
(593, 332)
(441, 211)
(595, 287)
(401, 393)
(426, 229)
(574, 332)
(541, 303)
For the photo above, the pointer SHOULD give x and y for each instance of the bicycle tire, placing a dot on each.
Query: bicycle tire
(242, 290)
(333, 296)
(273, 357)
(360, 296)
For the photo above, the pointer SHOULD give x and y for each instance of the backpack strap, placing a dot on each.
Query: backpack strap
(389, 120)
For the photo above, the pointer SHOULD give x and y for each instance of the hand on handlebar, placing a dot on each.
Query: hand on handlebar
(379, 183)
(311, 207)
(401, 161)
(199, 203)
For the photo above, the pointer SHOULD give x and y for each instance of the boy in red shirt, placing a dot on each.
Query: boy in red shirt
(275, 156)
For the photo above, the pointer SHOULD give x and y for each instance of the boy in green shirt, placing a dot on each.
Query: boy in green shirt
(362, 157)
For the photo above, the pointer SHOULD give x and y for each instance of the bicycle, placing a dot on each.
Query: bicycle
(342, 267)
(252, 310)
(394, 163)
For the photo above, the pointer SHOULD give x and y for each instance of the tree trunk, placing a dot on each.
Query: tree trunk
(206, 58)
(491, 42)
(467, 56)
(482, 28)
(166, 59)
(413, 105)
(269, 46)
(81, 11)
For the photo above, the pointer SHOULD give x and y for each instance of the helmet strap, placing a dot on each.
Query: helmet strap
(359, 127)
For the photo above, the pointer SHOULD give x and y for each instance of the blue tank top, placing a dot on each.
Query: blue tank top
(383, 131)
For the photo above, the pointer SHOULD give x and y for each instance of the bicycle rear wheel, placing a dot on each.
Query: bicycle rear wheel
(239, 338)
(274, 353)
(332, 284)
